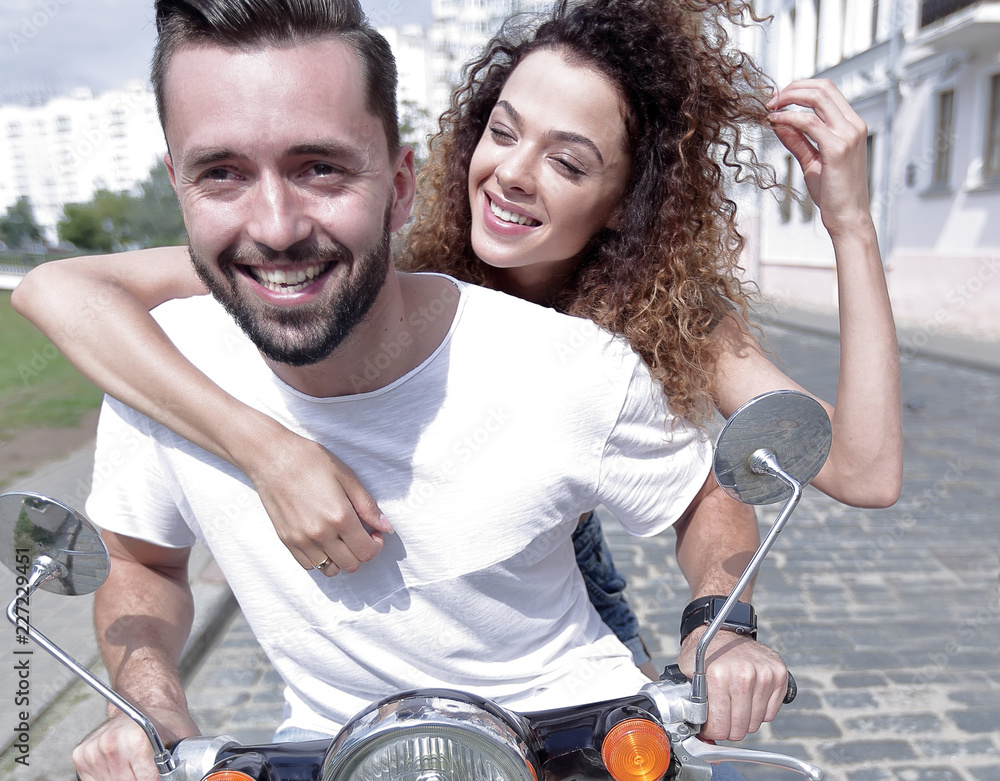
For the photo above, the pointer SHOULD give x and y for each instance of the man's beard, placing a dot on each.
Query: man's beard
(299, 336)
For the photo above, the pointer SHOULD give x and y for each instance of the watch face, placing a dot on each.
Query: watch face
(742, 613)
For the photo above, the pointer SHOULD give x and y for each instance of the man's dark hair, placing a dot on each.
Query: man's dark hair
(256, 23)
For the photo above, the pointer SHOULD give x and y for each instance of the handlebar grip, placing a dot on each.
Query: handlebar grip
(673, 673)
(793, 689)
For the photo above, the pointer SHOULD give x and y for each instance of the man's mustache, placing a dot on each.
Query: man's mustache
(303, 252)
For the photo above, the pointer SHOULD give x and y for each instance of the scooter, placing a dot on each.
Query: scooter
(767, 451)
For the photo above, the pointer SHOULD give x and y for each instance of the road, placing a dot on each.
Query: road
(890, 619)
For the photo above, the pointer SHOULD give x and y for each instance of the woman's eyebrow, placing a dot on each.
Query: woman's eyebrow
(559, 135)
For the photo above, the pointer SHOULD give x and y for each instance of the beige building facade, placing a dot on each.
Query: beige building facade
(925, 77)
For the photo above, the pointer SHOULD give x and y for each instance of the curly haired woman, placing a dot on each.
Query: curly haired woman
(583, 166)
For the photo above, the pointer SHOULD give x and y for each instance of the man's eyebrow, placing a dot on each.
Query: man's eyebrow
(199, 157)
(559, 135)
(323, 149)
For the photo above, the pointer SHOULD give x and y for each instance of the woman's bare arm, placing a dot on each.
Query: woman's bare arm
(95, 309)
(866, 459)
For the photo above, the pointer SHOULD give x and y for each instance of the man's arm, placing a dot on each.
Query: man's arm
(716, 538)
(143, 616)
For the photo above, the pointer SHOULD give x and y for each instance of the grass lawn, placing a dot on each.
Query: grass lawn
(38, 386)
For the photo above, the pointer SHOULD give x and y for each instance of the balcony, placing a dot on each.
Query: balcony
(970, 25)
(933, 10)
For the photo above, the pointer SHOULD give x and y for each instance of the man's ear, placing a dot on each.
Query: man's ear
(170, 171)
(404, 187)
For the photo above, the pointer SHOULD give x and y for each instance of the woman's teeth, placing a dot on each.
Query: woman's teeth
(508, 216)
(287, 281)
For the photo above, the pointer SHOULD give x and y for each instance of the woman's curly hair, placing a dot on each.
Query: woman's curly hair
(670, 269)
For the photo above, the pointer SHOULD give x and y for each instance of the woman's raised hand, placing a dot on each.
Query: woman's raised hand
(829, 142)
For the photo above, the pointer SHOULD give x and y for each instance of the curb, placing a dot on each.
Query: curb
(925, 342)
(77, 708)
(214, 607)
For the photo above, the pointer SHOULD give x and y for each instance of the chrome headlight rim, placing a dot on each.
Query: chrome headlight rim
(441, 713)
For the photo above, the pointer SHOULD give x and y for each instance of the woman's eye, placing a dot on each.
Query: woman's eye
(500, 135)
(568, 166)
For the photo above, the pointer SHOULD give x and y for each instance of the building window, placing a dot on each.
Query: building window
(869, 161)
(991, 154)
(943, 138)
(785, 205)
(819, 33)
(807, 207)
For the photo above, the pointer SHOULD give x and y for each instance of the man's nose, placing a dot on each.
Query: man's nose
(277, 216)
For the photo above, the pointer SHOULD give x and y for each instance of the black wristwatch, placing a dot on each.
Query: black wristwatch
(742, 619)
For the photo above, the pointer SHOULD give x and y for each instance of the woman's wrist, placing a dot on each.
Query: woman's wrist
(256, 444)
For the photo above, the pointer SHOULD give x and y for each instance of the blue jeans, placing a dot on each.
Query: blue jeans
(295, 734)
(606, 586)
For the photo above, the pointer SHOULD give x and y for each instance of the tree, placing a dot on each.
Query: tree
(116, 221)
(155, 218)
(414, 127)
(83, 227)
(18, 227)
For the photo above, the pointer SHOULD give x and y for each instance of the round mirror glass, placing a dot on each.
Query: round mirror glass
(790, 424)
(32, 525)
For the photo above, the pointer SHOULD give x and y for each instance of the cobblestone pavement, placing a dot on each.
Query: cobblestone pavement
(889, 618)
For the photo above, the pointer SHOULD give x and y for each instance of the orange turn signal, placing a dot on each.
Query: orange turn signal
(228, 775)
(636, 750)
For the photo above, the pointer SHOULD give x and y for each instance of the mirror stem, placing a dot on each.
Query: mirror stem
(43, 569)
(761, 461)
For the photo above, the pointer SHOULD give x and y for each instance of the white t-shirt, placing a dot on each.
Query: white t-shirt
(483, 458)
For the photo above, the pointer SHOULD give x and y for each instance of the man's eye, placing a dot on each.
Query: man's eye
(217, 174)
(324, 169)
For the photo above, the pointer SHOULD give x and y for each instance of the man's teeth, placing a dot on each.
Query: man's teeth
(508, 216)
(290, 280)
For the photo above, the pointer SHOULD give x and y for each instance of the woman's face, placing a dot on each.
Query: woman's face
(550, 169)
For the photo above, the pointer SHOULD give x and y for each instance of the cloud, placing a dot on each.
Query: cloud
(48, 47)
(55, 45)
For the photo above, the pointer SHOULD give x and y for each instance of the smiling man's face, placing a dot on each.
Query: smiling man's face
(287, 188)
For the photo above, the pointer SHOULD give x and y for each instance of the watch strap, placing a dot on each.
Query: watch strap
(703, 610)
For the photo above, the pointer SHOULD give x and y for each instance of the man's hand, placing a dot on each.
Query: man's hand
(747, 682)
(119, 750)
(334, 519)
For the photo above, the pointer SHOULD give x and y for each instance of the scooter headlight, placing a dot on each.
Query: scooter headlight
(429, 736)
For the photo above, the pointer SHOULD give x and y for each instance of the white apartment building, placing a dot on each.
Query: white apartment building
(925, 77)
(65, 150)
(414, 55)
(461, 30)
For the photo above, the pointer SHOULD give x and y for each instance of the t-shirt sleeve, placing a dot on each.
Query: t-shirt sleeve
(654, 463)
(131, 494)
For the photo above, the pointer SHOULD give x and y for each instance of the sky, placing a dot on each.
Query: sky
(48, 47)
